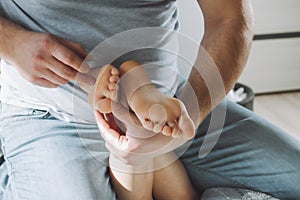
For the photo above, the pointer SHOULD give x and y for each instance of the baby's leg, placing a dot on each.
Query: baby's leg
(172, 182)
(156, 111)
(130, 185)
(105, 89)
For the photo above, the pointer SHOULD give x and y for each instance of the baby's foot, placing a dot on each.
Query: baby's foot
(105, 89)
(161, 113)
(156, 111)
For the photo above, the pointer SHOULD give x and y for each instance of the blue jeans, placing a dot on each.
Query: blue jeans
(46, 158)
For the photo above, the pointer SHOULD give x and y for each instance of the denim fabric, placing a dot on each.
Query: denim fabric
(234, 194)
(251, 153)
(46, 158)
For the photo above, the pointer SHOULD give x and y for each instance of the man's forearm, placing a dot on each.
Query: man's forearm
(227, 43)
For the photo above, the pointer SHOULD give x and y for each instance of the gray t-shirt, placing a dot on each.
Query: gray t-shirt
(89, 23)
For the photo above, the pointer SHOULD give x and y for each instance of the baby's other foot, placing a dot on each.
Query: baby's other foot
(105, 89)
(162, 113)
(156, 111)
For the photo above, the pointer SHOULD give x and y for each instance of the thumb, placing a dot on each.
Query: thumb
(109, 135)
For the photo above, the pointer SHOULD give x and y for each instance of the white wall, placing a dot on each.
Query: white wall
(273, 65)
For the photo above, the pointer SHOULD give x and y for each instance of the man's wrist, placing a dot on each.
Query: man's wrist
(10, 34)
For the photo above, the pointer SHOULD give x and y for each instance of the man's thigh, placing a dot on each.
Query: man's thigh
(46, 158)
(250, 153)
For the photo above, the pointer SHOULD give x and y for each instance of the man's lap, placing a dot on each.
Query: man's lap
(46, 159)
(45, 156)
(250, 153)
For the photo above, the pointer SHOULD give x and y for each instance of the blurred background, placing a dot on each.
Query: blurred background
(273, 68)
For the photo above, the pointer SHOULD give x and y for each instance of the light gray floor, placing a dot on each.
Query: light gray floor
(281, 109)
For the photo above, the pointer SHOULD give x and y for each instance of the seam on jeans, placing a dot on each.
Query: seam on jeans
(11, 177)
(89, 152)
(104, 164)
(216, 174)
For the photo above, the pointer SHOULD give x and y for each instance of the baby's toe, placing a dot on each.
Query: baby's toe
(113, 86)
(186, 124)
(171, 124)
(112, 95)
(175, 132)
(157, 128)
(114, 79)
(167, 131)
(114, 71)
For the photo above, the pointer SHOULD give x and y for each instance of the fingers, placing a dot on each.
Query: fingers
(66, 61)
(62, 70)
(85, 79)
(45, 83)
(69, 57)
(77, 48)
(61, 73)
(109, 134)
(113, 124)
(53, 77)
(129, 149)
(115, 142)
(49, 61)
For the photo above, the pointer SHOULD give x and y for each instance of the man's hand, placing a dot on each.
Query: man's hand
(43, 59)
(133, 148)
(49, 61)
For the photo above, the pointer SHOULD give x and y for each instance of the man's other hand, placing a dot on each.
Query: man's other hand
(49, 61)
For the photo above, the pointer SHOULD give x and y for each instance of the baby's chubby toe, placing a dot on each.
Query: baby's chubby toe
(115, 71)
(114, 79)
(175, 132)
(113, 86)
(157, 128)
(186, 124)
(167, 131)
(105, 89)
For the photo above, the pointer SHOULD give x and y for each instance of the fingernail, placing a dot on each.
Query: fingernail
(84, 68)
(89, 58)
